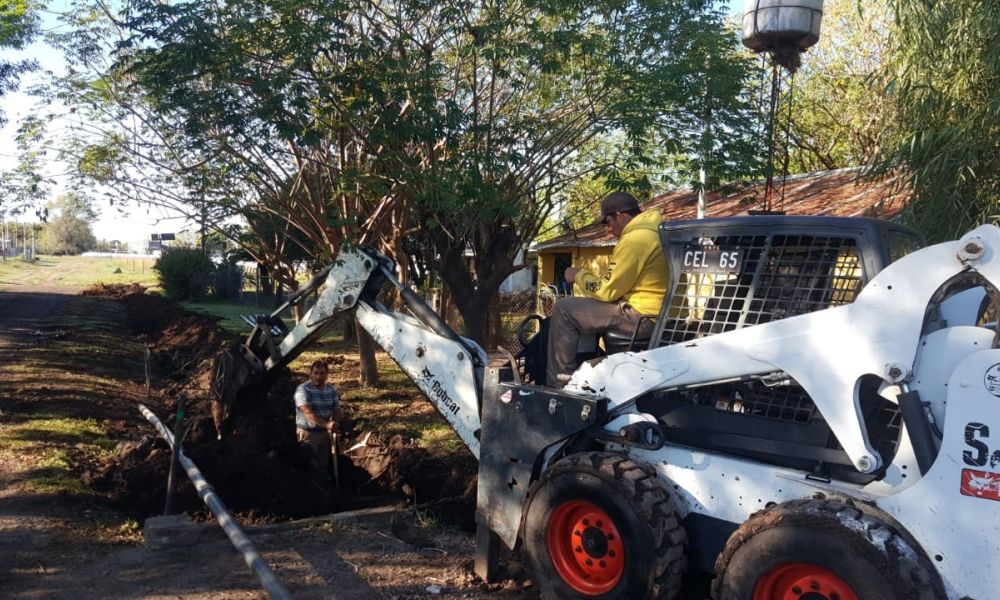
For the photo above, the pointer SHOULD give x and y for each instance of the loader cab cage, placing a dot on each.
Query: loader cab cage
(730, 273)
(733, 272)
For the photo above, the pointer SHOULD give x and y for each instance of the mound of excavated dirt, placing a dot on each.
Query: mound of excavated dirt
(114, 290)
(258, 468)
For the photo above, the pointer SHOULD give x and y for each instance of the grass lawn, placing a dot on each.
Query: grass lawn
(226, 313)
(77, 271)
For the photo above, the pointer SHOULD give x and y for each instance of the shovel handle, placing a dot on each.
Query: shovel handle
(335, 452)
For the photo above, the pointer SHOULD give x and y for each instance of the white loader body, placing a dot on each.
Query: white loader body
(953, 511)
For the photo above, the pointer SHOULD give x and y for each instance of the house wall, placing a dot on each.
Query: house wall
(519, 281)
(593, 259)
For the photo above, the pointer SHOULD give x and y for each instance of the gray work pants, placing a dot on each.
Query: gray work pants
(574, 317)
(318, 442)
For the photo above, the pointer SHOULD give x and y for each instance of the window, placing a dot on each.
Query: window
(901, 244)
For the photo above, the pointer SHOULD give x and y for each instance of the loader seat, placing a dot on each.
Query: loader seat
(638, 339)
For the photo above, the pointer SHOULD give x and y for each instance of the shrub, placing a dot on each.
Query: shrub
(184, 273)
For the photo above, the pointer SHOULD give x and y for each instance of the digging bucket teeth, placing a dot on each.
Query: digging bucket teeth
(235, 368)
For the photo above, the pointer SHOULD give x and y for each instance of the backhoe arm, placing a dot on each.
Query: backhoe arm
(446, 367)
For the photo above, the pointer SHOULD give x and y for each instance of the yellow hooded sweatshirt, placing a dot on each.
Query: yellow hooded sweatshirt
(638, 274)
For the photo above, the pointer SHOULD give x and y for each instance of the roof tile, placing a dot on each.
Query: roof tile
(840, 193)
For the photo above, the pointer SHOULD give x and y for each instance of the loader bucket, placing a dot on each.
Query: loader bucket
(236, 368)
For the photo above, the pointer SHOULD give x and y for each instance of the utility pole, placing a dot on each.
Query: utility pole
(701, 190)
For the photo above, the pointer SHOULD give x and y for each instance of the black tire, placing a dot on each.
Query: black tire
(822, 549)
(646, 559)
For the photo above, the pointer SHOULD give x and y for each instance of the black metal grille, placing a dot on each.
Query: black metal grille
(781, 276)
(789, 404)
(884, 423)
(783, 404)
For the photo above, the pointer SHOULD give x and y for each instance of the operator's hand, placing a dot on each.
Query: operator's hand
(571, 274)
(332, 426)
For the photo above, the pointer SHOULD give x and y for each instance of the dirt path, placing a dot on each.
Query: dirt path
(67, 357)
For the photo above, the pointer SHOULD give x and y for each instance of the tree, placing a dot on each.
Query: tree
(454, 124)
(946, 84)
(67, 228)
(840, 115)
(18, 27)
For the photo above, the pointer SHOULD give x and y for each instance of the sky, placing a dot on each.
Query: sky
(139, 223)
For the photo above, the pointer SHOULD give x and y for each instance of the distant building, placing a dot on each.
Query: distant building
(837, 193)
(158, 242)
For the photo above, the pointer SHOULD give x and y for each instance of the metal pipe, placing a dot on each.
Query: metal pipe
(251, 557)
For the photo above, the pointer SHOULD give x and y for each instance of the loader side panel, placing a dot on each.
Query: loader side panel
(519, 423)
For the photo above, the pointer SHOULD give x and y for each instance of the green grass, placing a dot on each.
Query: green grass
(42, 445)
(226, 313)
(54, 429)
(77, 271)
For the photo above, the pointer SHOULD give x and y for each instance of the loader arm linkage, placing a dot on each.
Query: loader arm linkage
(447, 368)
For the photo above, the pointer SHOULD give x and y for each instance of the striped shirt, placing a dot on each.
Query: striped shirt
(322, 401)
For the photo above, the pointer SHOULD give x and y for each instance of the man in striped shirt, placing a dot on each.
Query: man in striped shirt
(317, 410)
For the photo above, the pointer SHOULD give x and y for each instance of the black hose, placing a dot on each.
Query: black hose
(428, 317)
(918, 428)
(314, 283)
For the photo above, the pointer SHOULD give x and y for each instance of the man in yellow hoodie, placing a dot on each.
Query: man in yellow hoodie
(634, 286)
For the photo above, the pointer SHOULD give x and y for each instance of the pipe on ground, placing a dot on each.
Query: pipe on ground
(251, 557)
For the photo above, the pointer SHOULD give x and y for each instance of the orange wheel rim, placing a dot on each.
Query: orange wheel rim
(585, 547)
(802, 581)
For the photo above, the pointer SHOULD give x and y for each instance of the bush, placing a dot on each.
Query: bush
(184, 273)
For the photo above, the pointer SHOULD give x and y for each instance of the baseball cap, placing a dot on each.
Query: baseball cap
(615, 203)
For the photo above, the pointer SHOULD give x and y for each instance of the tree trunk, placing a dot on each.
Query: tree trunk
(349, 329)
(495, 323)
(471, 297)
(366, 350)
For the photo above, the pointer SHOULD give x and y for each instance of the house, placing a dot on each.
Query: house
(839, 193)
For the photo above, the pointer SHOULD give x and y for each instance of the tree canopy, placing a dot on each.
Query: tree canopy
(445, 129)
(18, 27)
(841, 113)
(67, 226)
(946, 81)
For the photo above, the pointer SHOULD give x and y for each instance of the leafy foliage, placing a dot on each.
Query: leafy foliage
(67, 229)
(456, 124)
(841, 115)
(18, 26)
(184, 273)
(946, 79)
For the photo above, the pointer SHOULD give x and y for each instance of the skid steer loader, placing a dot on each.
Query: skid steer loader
(815, 416)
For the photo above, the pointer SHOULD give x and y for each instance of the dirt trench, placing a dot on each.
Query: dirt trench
(258, 467)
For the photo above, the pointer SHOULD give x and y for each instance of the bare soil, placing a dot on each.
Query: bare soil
(82, 356)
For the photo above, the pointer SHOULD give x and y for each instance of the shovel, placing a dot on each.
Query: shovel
(336, 459)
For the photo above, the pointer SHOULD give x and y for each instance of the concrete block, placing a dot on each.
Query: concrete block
(171, 531)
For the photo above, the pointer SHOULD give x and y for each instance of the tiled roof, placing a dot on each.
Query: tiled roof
(839, 193)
